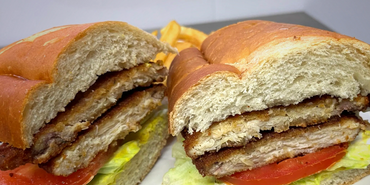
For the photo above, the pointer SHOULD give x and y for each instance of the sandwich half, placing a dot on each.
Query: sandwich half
(271, 103)
(70, 95)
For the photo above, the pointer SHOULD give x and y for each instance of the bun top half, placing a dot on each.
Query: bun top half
(254, 65)
(41, 74)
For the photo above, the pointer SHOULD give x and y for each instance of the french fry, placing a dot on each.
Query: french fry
(155, 33)
(169, 59)
(169, 34)
(180, 45)
(180, 37)
(193, 36)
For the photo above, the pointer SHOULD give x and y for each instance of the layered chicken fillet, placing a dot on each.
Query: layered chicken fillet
(258, 138)
(94, 121)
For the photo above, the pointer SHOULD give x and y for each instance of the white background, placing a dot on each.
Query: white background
(22, 18)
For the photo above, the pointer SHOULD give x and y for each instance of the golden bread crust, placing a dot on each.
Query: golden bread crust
(240, 49)
(33, 60)
(187, 69)
(14, 92)
(35, 57)
(46, 65)
(244, 38)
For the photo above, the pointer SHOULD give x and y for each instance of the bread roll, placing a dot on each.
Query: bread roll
(41, 74)
(254, 65)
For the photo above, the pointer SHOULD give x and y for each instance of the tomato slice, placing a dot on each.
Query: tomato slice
(33, 174)
(290, 170)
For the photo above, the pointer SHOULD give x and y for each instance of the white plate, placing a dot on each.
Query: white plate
(166, 161)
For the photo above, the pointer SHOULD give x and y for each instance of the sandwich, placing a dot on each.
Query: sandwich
(270, 103)
(72, 97)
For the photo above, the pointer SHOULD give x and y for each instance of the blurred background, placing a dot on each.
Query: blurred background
(22, 18)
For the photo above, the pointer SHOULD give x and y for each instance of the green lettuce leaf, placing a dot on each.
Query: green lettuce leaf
(107, 174)
(123, 155)
(184, 172)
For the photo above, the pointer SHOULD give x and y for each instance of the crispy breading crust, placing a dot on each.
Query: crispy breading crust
(115, 124)
(239, 130)
(261, 152)
(79, 114)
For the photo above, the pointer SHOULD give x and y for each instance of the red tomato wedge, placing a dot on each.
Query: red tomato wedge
(290, 170)
(32, 174)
